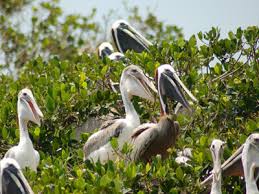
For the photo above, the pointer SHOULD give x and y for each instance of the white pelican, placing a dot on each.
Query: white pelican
(106, 50)
(150, 139)
(250, 161)
(12, 180)
(133, 83)
(216, 148)
(125, 38)
(233, 165)
(28, 110)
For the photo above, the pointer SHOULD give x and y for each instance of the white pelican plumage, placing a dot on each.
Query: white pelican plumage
(28, 110)
(106, 50)
(150, 139)
(133, 83)
(250, 161)
(125, 38)
(216, 148)
(12, 180)
(239, 162)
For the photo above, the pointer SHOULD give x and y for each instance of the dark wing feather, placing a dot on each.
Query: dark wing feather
(102, 137)
(142, 138)
(14, 182)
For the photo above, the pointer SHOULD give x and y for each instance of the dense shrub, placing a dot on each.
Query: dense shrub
(221, 73)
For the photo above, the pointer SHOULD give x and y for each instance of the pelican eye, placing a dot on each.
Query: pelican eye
(134, 71)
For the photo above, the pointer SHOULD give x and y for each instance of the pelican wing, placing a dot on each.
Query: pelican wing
(100, 138)
(13, 181)
(231, 167)
(142, 138)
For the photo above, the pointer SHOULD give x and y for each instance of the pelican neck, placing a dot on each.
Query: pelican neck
(131, 114)
(24, 135)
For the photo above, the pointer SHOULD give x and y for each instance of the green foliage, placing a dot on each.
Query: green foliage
(70, 87)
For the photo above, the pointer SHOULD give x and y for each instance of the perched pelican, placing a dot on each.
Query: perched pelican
(12, 180)
(150, 139)
(126, 38)
(133, 83)
(216, 148)
(233, 165)
(28, 110)
(106, 50)
(250, 161)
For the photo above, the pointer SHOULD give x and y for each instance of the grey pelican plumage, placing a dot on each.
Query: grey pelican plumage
(133, 83)
(12, 180)
(125, 38)
(106, 50)
(216, 148)
(28, 110)
(233, 165)
(150, 139)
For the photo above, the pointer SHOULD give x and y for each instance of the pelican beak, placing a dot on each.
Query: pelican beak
(147, 84)
(126, 38)
(12, 179)
(169, 85)
(231, 167)
(37, 114)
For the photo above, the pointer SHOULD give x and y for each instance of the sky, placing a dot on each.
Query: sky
(191, 15)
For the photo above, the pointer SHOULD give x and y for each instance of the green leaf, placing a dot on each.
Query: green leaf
(105, 180)
(37, 131)
(50, 104)
(179, 173)
(200, 35)
(217, 68)
(4, 133)
(148, 167)
(114, 143)
(181, 42)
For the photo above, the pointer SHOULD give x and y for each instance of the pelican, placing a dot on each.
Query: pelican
(150, 139)
(250, 161)
(125, 38)
(133, 83)
(233, 165)
(12, 180)
(106, 50)
(28, 110)
(216, 148)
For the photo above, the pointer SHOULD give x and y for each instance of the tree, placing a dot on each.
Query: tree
(64, 83)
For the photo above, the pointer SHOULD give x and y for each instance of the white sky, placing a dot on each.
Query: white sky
(192, 15)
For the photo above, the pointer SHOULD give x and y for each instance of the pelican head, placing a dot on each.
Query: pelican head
(28, 109)
(137, 83)
(217, 148)
(105, 49)
(169, 85)
(126, 38)
(12, 179)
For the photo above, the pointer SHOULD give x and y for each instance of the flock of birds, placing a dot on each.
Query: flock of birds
(147, 140)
